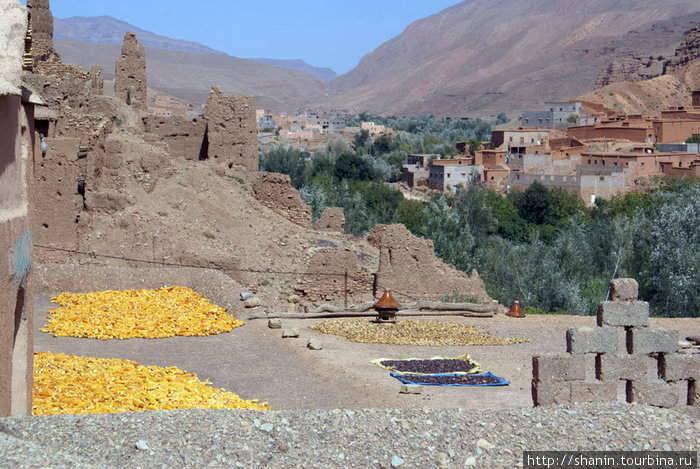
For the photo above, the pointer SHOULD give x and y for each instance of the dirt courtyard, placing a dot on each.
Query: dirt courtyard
(256, 362)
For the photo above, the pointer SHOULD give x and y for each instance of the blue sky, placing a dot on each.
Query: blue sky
(325, 33)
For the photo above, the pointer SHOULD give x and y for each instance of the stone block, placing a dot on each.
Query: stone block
(623, 289)
(647, 340)
(593, 391)
(694, 393)
(558, 367)
(614, 367)
(290, 333)
(551, 392)
(655, 392)
(314, 344)
(411, 389)
(676, 367)
(274, 323)
(591, 340)
(628, 314)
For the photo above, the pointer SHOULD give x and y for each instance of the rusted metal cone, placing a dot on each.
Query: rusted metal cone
(515, 310)
(386, 302)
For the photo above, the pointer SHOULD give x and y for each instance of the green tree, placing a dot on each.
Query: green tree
(411, 213)
(534, 202)
(361, 141)
(353, 166)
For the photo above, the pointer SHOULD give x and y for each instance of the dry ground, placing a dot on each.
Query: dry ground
(255, 362)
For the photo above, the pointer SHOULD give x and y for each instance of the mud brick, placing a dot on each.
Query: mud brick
(274, 323)
(411, 389)
(633, 313)
(591, 340)
(676, 367)
(594, 391)
(655, 392)
(694, 393)
(647, 340)
(614, 367)
(551, 393)
(558, 367)
(623, 289)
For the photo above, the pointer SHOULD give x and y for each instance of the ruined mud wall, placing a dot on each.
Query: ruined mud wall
(232, 129)
(16, 131)
(275, 191)
(407, 264)
(334, 263)
(331, 220)
(42, 33)
(185, 137)
(130, 74)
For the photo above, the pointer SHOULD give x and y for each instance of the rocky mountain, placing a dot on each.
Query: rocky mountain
(108, 30)
(646, 60)
(680, 76)
(476, 58)
(190, 76)
(324, 74)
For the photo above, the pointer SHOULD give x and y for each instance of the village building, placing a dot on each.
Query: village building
(555, 114)
(447, 174)
(376, 130)
(416, 170)
(17, 142)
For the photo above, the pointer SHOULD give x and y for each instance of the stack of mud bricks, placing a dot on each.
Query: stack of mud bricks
(651, 372)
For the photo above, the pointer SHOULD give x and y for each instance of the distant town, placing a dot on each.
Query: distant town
(572, 145)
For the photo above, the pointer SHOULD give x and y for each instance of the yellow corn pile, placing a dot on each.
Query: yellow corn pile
(148, 314)
(66, 384)
(411, 332)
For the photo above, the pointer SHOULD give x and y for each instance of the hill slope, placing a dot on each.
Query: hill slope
(108, 30)
(324, 74)
(190, 76)
(478, 59)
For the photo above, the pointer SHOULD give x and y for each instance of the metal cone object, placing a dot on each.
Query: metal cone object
(515, 310)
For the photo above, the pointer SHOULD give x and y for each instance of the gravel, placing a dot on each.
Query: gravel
(337, 438)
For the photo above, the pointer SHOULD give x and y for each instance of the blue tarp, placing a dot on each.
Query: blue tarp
(420, 379)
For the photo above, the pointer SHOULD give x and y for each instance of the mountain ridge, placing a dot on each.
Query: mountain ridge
(472, 58)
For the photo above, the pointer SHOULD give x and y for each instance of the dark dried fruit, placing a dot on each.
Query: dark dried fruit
(429, 366)
(473, 380)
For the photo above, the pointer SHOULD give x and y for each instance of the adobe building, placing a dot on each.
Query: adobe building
(16, 134)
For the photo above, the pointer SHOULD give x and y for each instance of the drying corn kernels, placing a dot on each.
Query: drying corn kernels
(67, 384)
(125, 314)
(411, 332)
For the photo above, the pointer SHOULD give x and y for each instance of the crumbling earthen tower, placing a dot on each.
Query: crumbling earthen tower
(130, 74)
(42, 32)
(232, 129)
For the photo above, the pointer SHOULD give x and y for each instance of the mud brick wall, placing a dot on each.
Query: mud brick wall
(130, 74)
(332, 219)
(650, 368)
(232, 129)
(334, 263)
(407, 264)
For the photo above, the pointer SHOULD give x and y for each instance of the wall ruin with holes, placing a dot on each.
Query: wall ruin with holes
(16, 133)
(226, 133)
(329, 285)
(408, 264)
(649, 371)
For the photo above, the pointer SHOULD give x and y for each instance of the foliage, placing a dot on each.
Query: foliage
(541, 246)
(694, 139)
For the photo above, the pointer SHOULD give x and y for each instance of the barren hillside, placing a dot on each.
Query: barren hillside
(189, 76)
(653, 95)
(476, 58)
